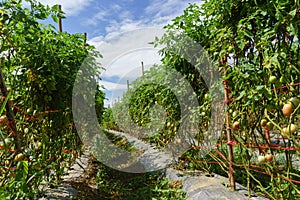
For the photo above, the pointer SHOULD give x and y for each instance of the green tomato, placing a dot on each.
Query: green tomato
(269, 126)
(19, 157)
(230, 49)
(39, 145)
(294, 102)
(261, 159)
(292, 128)
(235, 114)
(263, 122)
(272, 79)
(206, 96)
(26, 130)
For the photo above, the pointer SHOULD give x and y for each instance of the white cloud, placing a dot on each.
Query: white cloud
(100, 16)
(163, 11)
(167, 7)
(123, 54)
(113, 86)
(116, 7)
(128, 65)
(96, 41)
(125, 44)
(125, 15)
(70, 7)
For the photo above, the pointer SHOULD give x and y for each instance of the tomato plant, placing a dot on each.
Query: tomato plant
(255, 46)
(258, 44)
(40, 65)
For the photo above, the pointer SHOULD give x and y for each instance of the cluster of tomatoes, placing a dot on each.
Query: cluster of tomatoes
(289, 109)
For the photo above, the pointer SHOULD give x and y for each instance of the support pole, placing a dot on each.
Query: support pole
(229, 133)
(59, 21)
(143, 70)
(85, 38)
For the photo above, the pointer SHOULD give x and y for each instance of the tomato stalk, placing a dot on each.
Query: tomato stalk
(229, 134)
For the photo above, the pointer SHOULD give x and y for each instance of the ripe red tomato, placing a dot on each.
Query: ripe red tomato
(236, 125)
(269, 157)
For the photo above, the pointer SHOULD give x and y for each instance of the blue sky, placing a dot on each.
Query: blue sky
(121, 31)
(102, 17)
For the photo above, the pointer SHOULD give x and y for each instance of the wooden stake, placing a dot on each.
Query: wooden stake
(229, 135)
(59, 21)
(85, 38)
(143, 70)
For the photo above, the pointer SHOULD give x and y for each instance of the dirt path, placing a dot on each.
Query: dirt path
(78, 183)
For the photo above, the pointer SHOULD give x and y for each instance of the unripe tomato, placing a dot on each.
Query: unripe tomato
(26, 130)
(235, 114)
(3, 119)
(272, 79)
(292, 128)
(39, 144)
(285, 134)
(261, 159)
(206, 96)
(287, 109)
(19, 157)
(29, 110)
(6, 162)
(263, 122)
(269, 126)
(294, 101)
(230, 49)
(168, 124)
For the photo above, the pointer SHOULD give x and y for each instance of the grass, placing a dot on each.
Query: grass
(115, 184)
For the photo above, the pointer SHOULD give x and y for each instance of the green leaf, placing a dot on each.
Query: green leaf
(248, 33)
(25, 169)
(260, 87)
(293, 13)
(55, 7)
(242, 94)
(292, 29)
(55, 18)
(264, 12)
(4, 103)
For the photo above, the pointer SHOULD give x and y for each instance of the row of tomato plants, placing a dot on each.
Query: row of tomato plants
(255, 48)
(39, 67)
